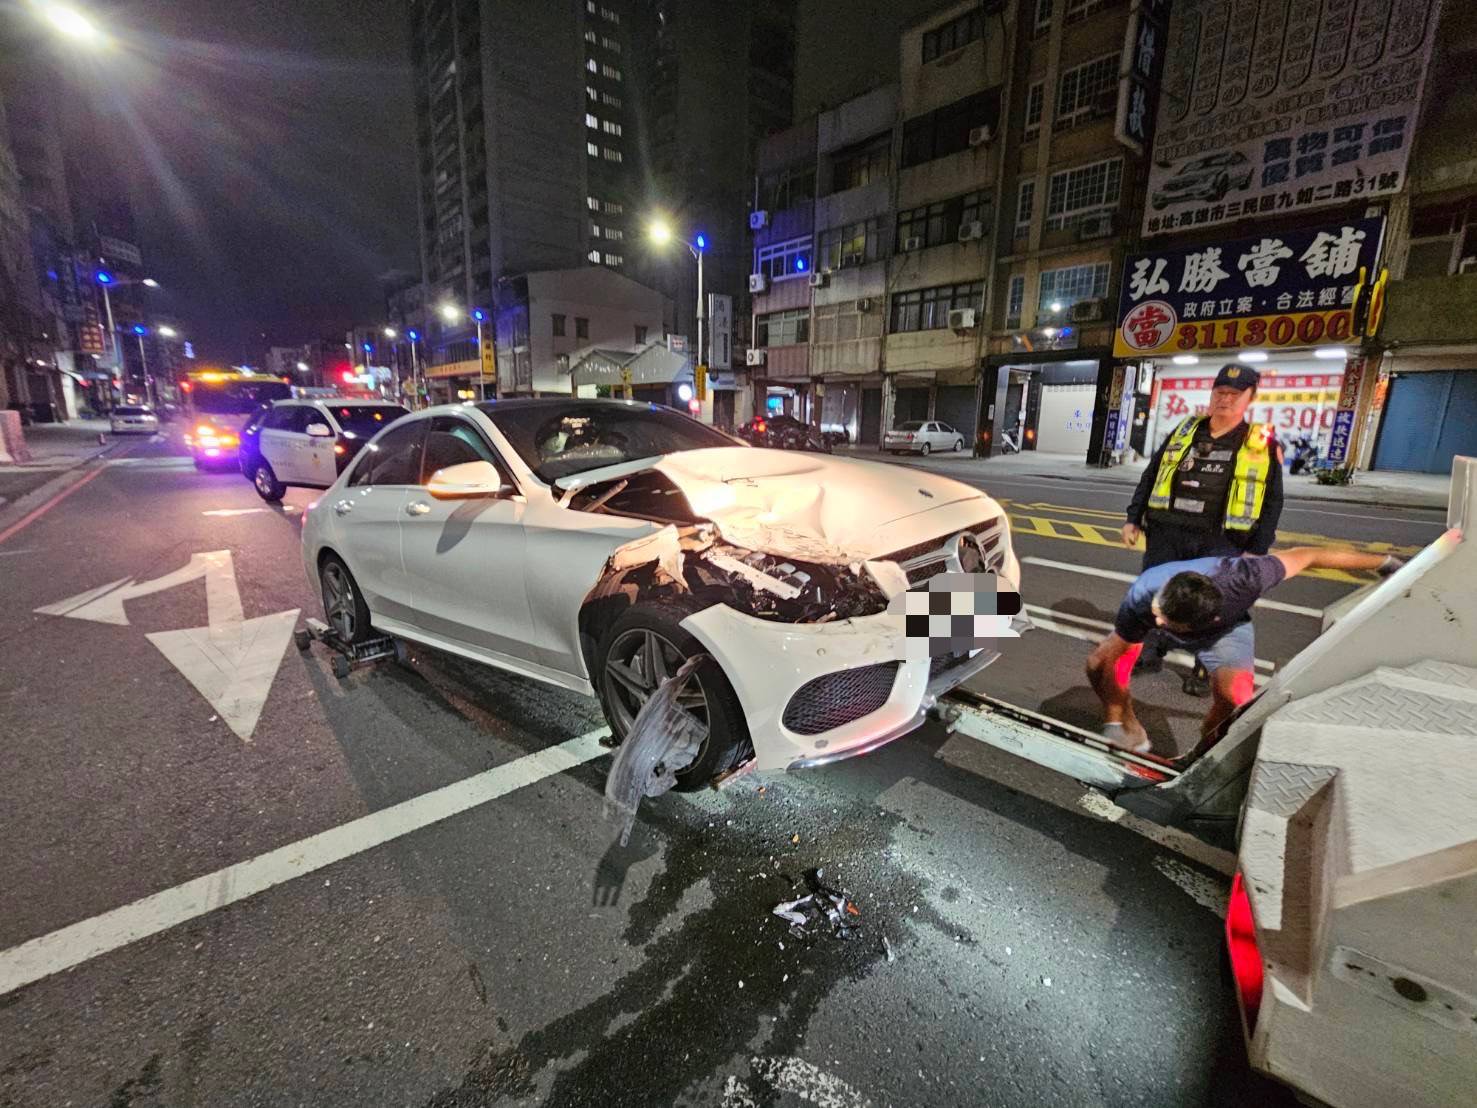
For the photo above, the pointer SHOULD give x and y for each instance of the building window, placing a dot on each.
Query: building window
(1086, 92)
(1067, 286)
(787, 188)
(615, 259)
(1025, 207)
(590, 6)
(854, 244)
(1035, 102)
(610, 44)
(610, 99)
(610, 71)
(783, 260)
(592, 65)
(594, 256)
(591, 121)
(595, 230)
(581, 324)
(591, 93)
(857, 165)
(946, 130)
(610, 128)
(1086, 190)
(928, 309)
(590, 36)
(640, 335)
(952, 35)
(612, 155)
(1081, 9)
(613, 208)
(593, 203)
(1043, 15)
(592, 149)
(937, 223)
(558, 318)
(615, 234)
(1015, 300)
(607, 14)
(782, 328)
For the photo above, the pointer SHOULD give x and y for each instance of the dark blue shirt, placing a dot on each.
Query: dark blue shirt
(1241, 582)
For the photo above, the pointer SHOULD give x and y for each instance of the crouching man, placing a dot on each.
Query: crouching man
(1203, 605)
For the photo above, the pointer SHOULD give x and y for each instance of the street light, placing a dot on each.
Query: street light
(415, 370)
(449, 312)
(71, 23)
(391, 333)
(660, 232)
(481, 317)
(303, 367)
(167, 332)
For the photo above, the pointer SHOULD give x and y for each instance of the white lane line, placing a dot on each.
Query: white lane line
(1114, 575)
(283, 508)
(1203, 890)
(1050, 620)
(1171, 838)
(152, 463)
(90, 938)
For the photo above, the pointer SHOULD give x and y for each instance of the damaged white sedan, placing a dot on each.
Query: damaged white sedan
(597, 545)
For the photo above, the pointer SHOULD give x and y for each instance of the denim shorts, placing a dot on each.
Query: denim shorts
(1233, 648)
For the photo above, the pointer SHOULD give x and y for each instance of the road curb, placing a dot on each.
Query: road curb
(17, 509)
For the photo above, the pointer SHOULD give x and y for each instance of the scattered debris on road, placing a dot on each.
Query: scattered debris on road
(664, 738)
(822, 905)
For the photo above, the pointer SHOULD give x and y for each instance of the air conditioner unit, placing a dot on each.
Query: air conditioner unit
(1099, 226)
(913, 242)
(758, 282)
(979, 136)
(758, 220)
(972, 230)
(961, 319)
(1087, 311)
(819, 280)
(754, 356)
(864, 304)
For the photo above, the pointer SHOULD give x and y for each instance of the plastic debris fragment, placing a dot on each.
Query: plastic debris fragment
(823, 906)
(664, 738)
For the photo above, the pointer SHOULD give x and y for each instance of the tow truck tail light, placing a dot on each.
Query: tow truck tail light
(340, 448)
(1246, 956)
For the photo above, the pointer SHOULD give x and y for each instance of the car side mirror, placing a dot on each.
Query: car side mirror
(469, 481)
(320, 431)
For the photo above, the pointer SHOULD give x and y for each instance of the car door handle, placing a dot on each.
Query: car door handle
(343, 507)
(417, 508)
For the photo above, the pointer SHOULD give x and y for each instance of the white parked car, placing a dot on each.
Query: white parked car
(922, 437)
(133, 419)
(597, 544)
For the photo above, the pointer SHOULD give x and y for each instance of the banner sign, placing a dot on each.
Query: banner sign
(1292, 404)
(1143, 62)
(1273, 106)
(1343, 419)
(720, 331)
(1288, 288)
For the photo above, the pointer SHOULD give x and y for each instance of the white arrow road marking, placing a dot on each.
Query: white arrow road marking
(232, 667)
(796, 1076)
(231, 661)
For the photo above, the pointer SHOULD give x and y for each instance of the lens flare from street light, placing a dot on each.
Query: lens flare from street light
(660, 232)
(449, 312)
(302, 367)
(149, 283)
(391, 333)
(71, 23)
(168, 332)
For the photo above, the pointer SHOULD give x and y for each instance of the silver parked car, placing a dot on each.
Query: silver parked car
(133, 419)
(922, 437)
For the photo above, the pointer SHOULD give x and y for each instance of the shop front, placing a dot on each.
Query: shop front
(1288, 304)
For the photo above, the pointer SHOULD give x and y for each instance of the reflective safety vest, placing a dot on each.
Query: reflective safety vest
(1254, 461)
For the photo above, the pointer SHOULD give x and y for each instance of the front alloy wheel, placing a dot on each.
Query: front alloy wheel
(341, 604)
(637, 663)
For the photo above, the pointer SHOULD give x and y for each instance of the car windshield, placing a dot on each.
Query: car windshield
(126, 411)
(910, 427)
(235, 397)
(364, 420)
(558, 440)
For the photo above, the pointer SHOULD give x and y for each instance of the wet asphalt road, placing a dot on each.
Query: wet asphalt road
(511, 953)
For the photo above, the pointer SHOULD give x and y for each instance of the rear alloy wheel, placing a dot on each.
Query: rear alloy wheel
(925, 450)
(267, 486)
(958, 445)
(642, 649)
(343, 606)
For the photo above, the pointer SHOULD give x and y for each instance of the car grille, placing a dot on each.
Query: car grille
(926, 560)
(827, 702)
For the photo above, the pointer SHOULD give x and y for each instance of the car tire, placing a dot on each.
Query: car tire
(925, 450)
(728, 734)
(343, 603)
(265, 481)
(958, 445)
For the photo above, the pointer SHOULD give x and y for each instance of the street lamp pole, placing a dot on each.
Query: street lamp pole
(479, 315)
(143, 361)
(415, 369)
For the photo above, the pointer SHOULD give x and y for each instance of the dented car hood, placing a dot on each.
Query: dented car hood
(814, 507)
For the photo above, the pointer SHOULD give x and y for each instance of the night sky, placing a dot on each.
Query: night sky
(269, 148)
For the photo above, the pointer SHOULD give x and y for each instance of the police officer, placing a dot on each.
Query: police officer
(1213, 488)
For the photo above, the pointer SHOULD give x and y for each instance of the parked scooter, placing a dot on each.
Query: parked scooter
(1304, 455)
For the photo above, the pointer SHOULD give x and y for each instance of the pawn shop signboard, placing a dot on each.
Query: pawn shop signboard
(1270, 291)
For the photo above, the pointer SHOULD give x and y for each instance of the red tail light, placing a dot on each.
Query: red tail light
(1246, 956)
(761, 427)
(340, 448)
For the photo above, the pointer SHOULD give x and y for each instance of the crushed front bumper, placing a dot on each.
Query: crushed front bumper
(813, 694)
